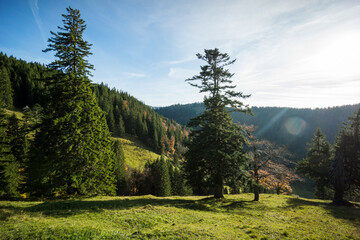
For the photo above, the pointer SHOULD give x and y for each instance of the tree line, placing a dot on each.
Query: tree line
(335, 168)
(284, 126)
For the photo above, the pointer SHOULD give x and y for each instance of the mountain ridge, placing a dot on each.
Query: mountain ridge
(286, 126)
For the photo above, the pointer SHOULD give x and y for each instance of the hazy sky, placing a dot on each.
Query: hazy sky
(293, 53)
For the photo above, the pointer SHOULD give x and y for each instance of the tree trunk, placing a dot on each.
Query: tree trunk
(256, 193)
(219, 188)
(339, 182)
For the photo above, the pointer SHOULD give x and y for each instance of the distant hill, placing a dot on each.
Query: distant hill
(125, 114)
(290, 126)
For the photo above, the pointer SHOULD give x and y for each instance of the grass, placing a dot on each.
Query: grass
(148, 217)
(136, 153)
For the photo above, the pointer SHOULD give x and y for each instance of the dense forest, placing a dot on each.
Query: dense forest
(290, 126)
(124, 113)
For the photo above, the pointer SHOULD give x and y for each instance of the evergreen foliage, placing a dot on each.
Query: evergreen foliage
(125, 115)
(4, 153)
(119, 168)
(72, 151)
(27, 89)
(12, 166)
(6, 92)
(317, 164)
(215, 150)
(164, 184)
(346, 165)
(159, 177)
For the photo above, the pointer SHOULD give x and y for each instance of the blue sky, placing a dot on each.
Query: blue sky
(289, 53)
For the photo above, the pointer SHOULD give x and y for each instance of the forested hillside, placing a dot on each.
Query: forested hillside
(26, 86)
(290, 126)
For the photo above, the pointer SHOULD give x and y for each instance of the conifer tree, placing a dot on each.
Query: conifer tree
(6, 91)
(346, 165)
(160, 177)
(4, 149)
(215, 150)
(317, 164)
(121, 184)
(15, 158)
(164, 178)
(72, 151)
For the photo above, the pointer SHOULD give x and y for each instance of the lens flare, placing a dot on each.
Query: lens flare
(295, 125)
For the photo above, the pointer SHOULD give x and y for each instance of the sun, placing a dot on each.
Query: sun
(339, 56)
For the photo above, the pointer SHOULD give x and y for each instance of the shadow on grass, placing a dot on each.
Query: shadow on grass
(65, 208)
(348, 213)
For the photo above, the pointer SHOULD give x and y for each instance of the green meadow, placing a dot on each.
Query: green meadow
(136, 153)
(195, 217)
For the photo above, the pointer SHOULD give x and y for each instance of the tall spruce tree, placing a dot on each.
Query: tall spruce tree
(72, 151)
(215, 152)
(346, 165)
(317, 164)
(15, 157)
(164, 183)
(4, 149)
(6, 91)
(119, 168)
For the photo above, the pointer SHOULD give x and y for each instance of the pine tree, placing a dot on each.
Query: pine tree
(4, 150)
(346, 165)
(16, 157)
(164, 178)
(215, 150)
(6, 91)
(72, 151)
(317, 164)
(121, 184)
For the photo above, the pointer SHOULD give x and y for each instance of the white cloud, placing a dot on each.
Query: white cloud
(184, 60)
(134, 75)
(181, 73)
(35, 11)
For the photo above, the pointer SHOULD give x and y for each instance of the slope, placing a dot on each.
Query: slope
(136, 153)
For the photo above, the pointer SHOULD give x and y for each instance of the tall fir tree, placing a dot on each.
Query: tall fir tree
(317, 164)
(215, 150)
(119, 168)
(15, 157)
(346, 165)
(6, 91)
(72, 151)
(164, 184)
(4, 149)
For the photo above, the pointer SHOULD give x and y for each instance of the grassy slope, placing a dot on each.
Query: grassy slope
(236, 217)
(136, 153)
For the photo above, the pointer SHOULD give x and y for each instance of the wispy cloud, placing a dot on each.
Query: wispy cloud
(184, 60)
(35, 11)
(181, 73)
(134, 75)
(289, 53)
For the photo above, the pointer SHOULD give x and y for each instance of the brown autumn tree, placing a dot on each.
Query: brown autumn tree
(268, 164)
